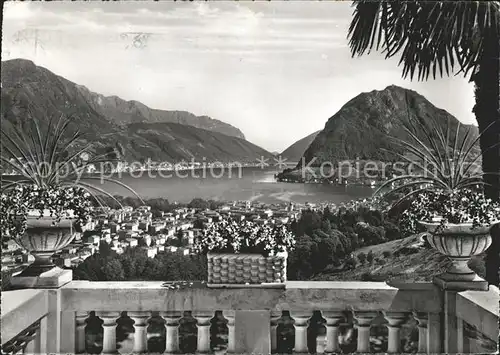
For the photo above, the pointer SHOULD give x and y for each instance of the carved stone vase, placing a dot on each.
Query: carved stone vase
(44, 237)
(459, 242)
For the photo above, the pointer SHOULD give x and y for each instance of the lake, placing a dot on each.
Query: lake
(249, 183)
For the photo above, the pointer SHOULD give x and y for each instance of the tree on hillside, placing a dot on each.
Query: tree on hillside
(113, 270)
(199, 204)
(328, 215)
(91, 269)
(179, 235)
(198, 224)
(362, 258)
(159, 204)
(370, 257)
(434, 36)
(105, 249)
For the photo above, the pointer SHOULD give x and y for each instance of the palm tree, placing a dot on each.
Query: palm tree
(444, 37)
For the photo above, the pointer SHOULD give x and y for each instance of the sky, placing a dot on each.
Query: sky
(276, 70)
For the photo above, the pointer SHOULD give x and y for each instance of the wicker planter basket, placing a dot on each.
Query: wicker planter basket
(246, 269)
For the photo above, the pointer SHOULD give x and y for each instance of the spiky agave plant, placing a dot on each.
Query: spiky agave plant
(48, 162)
(447, 161)
(449, 184)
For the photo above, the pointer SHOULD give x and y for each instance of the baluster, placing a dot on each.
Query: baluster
(140, 330)
(275, 317)
(333, 320)
(203, 324)
(301, 322)
(421, 318)
(81, 317)
(229, 315)
(172, 319)
(363, 323)
(394, 320)
(109, 331)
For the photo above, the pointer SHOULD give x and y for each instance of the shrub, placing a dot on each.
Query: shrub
(387, 254)
(370, 257)
(362, 257)
(350, 263)
(366, 276)
(392, 231)
(231, 236)
(408, 250)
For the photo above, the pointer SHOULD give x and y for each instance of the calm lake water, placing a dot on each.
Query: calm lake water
(250, 183)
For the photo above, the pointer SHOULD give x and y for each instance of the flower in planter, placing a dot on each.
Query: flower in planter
(52, 177)
(446, 183)
(230, 236)
(16, 204)
(465, 206)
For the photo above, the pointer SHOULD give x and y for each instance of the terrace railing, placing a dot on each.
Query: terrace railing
(55, 321)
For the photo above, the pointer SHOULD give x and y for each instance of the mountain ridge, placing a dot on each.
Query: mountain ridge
(120, 111)
(296, 150)
(32, 91)
(360, 129)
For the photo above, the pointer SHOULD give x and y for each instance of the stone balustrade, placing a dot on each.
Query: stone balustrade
(54, 321)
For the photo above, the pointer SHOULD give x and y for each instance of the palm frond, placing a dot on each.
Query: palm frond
(417, 164)
(429, 36)
(92, 189)
(408, 196)
(114, 181)
(51, 157)
(20, 166)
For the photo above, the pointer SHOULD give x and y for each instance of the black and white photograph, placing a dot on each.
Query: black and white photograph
(250, 177)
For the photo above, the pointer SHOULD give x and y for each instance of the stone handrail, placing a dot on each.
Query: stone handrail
(480, 309)
(298, 295)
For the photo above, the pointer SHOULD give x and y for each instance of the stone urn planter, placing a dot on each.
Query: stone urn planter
(43, 238)
(246, 270)
(459, 242)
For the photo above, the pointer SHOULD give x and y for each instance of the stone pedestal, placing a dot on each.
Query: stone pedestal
(252, 332)
(333, 320)
(394, 322)
(42, 278)
(140, 331)
(171, 331)
(203, 324)
(229, 315)
(363, 324)
(80, 325)
(301, 322)
(421, 318)
(446, 281)
(275, 317)
(109, 331)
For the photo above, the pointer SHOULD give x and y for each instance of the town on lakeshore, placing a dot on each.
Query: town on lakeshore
(172, 232)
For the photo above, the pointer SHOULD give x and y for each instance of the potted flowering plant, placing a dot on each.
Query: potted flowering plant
(458, 225)
(48, 200)
(245, 253)
(444, 196)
